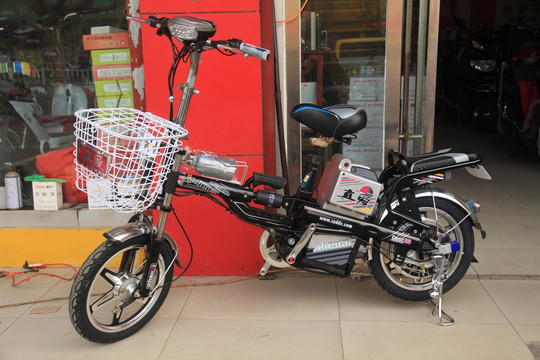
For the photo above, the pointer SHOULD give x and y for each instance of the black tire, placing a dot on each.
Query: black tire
(412, 280)
(484, 114)
(116, 268)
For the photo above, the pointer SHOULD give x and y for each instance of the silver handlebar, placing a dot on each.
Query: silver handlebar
(255, 51)
(234, 45)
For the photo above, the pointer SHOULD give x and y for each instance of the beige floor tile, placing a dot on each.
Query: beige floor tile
(53, 339)
(469, 187)
(32, 290)
(510, 231)
(519, 300)
(531, 199)
(365, 300)
(253, 339)
(4, 324)
(394, 340)
(48, 310)
(520, 181)
(296, 298)
(529, 333)
(503, 203)
(507, 262)
(61, 291)
(467, 302)
(174, 303)
(471, 273)
(12, 312)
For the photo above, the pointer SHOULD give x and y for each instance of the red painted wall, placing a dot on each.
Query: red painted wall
(225, 118)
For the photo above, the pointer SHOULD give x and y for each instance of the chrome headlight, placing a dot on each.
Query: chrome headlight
(477, 45)
(190, 28)
(483, 65)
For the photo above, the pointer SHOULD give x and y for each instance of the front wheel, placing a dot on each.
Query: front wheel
(105, 305)
(411, 279)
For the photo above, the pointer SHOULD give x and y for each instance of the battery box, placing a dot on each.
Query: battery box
(346, 187)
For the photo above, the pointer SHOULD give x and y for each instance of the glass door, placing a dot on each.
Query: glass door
(418, 53)
(379, 54)
(343, 62)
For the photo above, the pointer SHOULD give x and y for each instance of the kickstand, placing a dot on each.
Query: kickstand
(437, 291)
(444, 318)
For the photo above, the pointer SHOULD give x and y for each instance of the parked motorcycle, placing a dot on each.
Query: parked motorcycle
(478, 95)
(520, 102)
(417, 239)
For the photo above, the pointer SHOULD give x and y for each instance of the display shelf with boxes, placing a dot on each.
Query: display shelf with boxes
(111, 66)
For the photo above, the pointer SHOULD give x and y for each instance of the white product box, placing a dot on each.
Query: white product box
(98, 188)
(47, 195)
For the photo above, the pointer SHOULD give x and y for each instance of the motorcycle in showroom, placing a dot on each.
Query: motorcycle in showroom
(478, 96)
(520, 100)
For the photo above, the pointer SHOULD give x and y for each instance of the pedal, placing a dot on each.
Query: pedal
(263, 273)
(275, 182)
(264, 269)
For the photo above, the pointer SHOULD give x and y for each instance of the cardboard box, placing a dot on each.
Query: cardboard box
(111, 72)
(47, 195)
(105, 30)
(106, 41)
(125, 100)
(113, 87)
(110, 57)
(97, 188)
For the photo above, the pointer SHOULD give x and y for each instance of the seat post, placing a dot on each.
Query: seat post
(307, 187)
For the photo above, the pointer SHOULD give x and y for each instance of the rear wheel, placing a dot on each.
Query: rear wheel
(104, 305)
(411, 279)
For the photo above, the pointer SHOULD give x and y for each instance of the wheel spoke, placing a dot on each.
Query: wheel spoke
(116, 318)
(101, 301)
(109, 276)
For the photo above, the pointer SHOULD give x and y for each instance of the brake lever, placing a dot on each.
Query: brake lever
(137, 19)
(231, 50)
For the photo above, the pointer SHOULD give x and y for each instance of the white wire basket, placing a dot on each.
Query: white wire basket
(123, 156)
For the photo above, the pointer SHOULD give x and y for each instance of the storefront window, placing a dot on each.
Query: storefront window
(343, 52)
(46, 75)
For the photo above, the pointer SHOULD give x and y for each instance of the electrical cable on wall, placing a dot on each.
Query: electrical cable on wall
(295, 16)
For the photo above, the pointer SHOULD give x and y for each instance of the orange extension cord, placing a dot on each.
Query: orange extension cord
(33, 268)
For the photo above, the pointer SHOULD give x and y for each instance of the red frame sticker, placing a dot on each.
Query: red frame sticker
(92, 158)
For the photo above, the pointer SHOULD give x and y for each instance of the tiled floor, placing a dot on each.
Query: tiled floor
(291, 317)
(302, 316)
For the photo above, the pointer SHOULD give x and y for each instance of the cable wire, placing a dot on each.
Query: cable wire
(295, 16)
(33, 268)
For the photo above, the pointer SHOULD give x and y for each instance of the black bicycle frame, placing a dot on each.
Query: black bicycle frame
(299, 211)
(302, 210)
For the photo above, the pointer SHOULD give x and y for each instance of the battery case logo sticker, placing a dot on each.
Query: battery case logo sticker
(364, 198)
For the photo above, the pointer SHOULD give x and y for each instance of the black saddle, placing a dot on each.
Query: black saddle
(440, 159)
(333, 121)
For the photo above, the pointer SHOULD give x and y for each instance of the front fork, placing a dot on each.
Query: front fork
(157, 240)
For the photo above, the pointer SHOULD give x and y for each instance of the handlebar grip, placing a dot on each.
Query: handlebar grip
(268, 198)
(255, 51)
(153, 21)
(158, 22)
